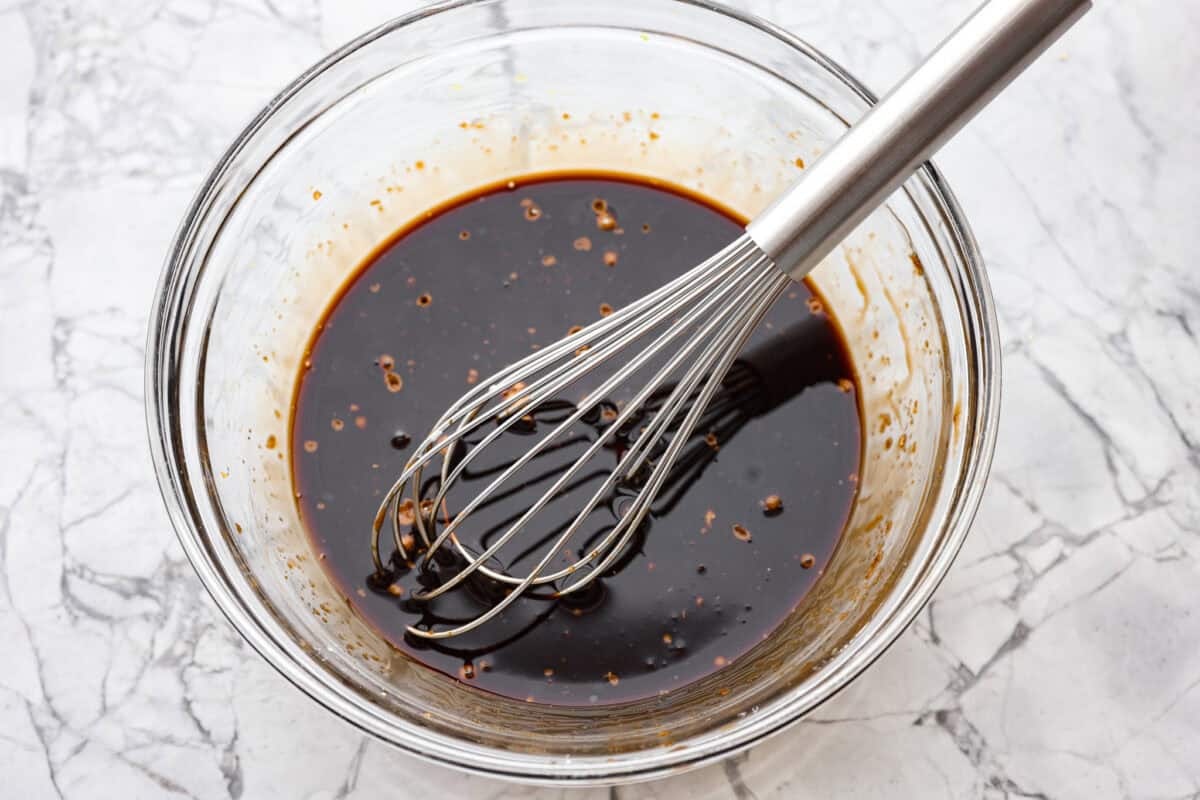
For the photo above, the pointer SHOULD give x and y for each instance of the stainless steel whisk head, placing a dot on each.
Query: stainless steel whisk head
(695, 326)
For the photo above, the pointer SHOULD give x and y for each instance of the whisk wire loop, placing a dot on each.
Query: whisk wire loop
(694, 325)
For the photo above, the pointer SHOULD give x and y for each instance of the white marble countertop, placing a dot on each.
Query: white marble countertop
(1060, 659)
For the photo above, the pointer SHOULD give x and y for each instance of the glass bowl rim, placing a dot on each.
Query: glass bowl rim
(276, 649)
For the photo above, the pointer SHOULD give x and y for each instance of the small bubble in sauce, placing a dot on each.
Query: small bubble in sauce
(741, 534)
(808, 560)
(394, 384)
(610, 258)
(549, 261)
(271, 442)
(424, 300)
(400, 440)
(336, 424)
(310, 446)
(772, 504)
(583, 244)
(605, 309)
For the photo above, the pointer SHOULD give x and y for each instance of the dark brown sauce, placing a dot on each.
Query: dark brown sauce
(750, 515)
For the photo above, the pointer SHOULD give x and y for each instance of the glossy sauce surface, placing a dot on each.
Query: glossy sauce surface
(750, 516)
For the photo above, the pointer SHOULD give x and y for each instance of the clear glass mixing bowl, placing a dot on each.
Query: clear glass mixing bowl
(467, 93)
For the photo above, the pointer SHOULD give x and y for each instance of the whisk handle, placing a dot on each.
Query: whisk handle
(930, 105)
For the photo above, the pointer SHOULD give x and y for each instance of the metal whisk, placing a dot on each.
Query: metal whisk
(676, 344)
